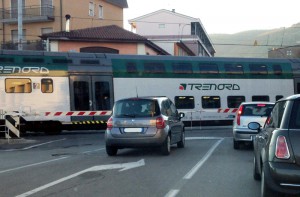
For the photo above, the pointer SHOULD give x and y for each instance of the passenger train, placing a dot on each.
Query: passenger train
(52, 89)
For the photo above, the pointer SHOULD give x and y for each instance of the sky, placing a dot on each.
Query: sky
(224, 16)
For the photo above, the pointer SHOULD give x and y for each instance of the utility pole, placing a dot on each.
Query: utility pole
(20, 24)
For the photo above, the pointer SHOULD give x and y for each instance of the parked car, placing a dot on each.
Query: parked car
(277, 149)
(144, 122)
(249, 112)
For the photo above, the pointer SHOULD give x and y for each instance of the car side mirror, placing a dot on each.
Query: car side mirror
(254, 126)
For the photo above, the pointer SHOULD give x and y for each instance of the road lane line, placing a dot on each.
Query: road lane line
(30, 165)
(191, 173)
(34, 146)
(90, 151)
(176, 189)
(172, 193)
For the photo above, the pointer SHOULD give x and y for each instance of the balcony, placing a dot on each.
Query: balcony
(31, 14)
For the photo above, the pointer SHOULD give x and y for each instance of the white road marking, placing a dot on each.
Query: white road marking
(173, 192)
(123, 166)
(34, 146)
(191, 173)
(30, 165)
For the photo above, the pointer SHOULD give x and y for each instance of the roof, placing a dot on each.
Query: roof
(103, 33)
(112, 33)
(119, 3)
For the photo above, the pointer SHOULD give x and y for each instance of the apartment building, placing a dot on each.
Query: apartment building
(176, 33)
(46, 16)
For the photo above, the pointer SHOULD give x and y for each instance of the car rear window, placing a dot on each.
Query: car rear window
(295, 117)
(136, 108)
(257, 109)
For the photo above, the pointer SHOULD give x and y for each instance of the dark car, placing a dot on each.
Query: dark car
(277, 149)
(144, 122)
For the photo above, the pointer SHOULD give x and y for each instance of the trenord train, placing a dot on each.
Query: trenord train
(50, 91)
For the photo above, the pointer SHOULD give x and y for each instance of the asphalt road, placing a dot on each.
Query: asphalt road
(75, 164)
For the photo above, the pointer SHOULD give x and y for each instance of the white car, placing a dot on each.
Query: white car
(249, 112)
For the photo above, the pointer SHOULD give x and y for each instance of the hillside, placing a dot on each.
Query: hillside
(242, 44)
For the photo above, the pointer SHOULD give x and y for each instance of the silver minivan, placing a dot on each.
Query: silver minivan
(144, 122)
(249, 112)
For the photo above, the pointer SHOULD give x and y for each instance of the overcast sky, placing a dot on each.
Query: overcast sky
(224, 16)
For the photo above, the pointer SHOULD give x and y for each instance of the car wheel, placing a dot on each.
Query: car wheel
(236, 144)
(166, 146)
(256, 175)
(181, 143)
(266, 191)
(111, 151)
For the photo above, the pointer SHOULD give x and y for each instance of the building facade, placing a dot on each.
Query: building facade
(176, 33)
(46, 16)
(285, 52)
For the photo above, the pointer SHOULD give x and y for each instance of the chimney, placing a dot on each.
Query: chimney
(68, 17)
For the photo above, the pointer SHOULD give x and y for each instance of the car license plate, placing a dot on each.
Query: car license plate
(133, 130)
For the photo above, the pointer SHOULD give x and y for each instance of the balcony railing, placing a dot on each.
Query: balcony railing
(30, 14)
(34, 45)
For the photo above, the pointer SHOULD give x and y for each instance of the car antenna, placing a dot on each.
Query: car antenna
(137, 95)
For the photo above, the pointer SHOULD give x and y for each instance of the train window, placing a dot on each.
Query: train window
(182, 68)
(154, 67)
(184, 102)
(278, 97)
(234, 69)
(210, 102)
(208, 68)
(81, 95)
(258, 69)
(235, 101)
(18, 85)
(33, 60)
(47, 85)
(89, 61)
(277, 69)
(62, 61)
(102, 95)
(260, 98)
(131, 67)
(7, 60)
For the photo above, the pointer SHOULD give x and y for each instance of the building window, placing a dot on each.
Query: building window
(14, 36)
(161, 26)
(100, 11)
(91, 9)
(46, 30)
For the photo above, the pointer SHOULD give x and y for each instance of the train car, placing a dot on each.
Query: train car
(208, 90)
(52, 91)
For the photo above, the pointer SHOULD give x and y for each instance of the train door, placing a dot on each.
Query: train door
(297, 85)
(90, 93)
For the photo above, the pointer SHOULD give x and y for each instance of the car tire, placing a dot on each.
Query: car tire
(111, 151)
(256, 175)
(181, 143)
(266, 191)
(236, 144)
(166, 146)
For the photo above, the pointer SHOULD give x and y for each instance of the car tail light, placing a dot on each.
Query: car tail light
(160, 123)
(110, 123)
(282, 150)
(239, 113)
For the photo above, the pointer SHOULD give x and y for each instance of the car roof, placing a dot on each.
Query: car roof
(257, 102)
(292, 97)
(145, 97)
